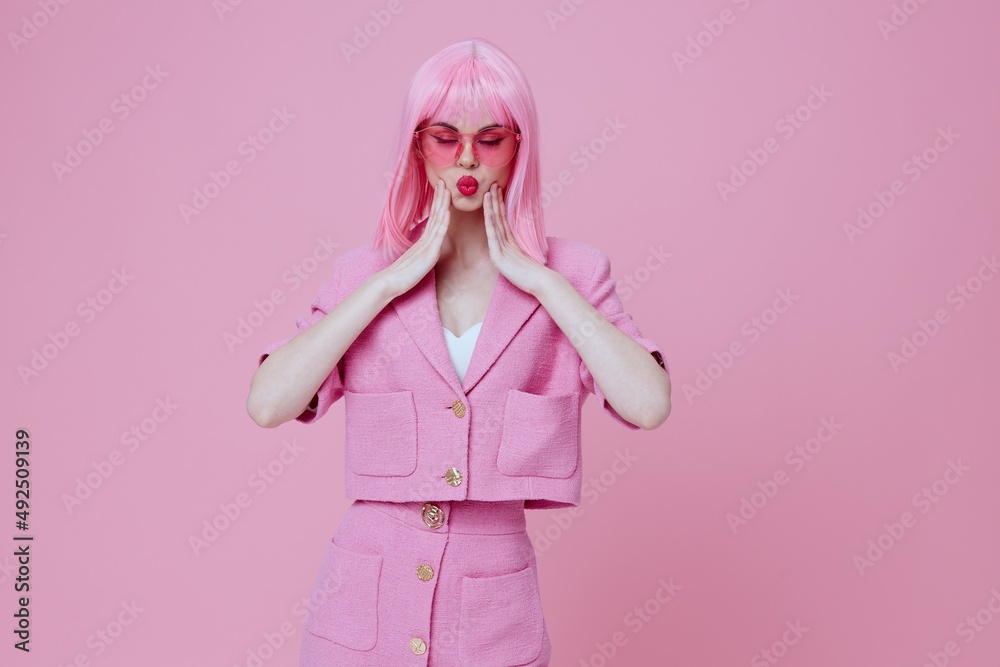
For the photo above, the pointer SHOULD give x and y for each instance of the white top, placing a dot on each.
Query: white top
(460, 348)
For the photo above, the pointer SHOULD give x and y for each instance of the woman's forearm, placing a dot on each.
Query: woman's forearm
(289, 377)
(628, 375)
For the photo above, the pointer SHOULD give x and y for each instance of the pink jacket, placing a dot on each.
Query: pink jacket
(510, 431)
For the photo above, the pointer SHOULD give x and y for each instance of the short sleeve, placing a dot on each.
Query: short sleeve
(333, 386)
(604, 297)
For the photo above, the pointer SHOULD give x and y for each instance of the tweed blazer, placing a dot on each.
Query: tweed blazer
(510, 431)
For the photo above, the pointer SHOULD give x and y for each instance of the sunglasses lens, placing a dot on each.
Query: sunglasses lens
(495, 147)
(441, 146)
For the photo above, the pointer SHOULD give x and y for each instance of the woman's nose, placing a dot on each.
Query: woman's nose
(467, 158)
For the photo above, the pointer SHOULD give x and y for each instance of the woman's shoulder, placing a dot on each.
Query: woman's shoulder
(576, 260)
(571, 246)
(362, 261)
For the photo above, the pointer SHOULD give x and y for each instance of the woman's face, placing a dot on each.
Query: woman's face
(468, 165)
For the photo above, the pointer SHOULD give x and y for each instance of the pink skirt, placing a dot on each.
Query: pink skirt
(444, 583)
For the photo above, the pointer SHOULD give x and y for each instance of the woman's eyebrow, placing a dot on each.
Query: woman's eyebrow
(455, 129)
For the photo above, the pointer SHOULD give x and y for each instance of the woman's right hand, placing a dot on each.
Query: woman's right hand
(410, 267)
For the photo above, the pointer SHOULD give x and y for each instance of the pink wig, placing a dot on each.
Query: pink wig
(463, 79)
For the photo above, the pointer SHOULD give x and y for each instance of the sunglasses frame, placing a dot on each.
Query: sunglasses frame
(461, 146)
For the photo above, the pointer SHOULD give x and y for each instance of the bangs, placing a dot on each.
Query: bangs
(472, 91)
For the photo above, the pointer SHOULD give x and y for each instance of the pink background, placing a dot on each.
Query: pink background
(666, 517)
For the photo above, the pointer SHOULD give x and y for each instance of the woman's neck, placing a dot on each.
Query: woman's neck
(465, 245)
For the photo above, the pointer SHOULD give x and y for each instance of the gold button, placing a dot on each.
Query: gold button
(458, 407)
(424, 572)
(432, 515)
(417, 645)
(453, 476)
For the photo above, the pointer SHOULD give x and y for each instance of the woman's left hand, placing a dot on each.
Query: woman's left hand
(517, 266)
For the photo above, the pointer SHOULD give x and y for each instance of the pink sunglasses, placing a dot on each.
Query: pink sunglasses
(441, 146)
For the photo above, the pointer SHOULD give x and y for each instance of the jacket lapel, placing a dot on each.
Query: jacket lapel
(508, 310)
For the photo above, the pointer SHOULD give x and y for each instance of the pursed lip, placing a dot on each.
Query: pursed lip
(467, 185)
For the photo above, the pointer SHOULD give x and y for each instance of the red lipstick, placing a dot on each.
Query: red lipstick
(467, 185)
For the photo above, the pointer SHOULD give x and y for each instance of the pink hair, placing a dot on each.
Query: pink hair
(464, 78)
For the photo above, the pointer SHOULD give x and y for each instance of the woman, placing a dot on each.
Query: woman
(464, 342)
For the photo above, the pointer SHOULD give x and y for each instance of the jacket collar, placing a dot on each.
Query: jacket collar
(508, 310)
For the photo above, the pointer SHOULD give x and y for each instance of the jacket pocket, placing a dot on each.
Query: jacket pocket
(540, 435)
(381, 433)
(501, 622)
(345, 598)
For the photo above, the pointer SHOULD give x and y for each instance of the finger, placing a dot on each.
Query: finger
(488, 213)
(435, 206)
(503, 204)
(444, 212)
(498, 220)
(435, 226)
(491, 238)
(508, 234)
(438, 195)
(430, 212)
